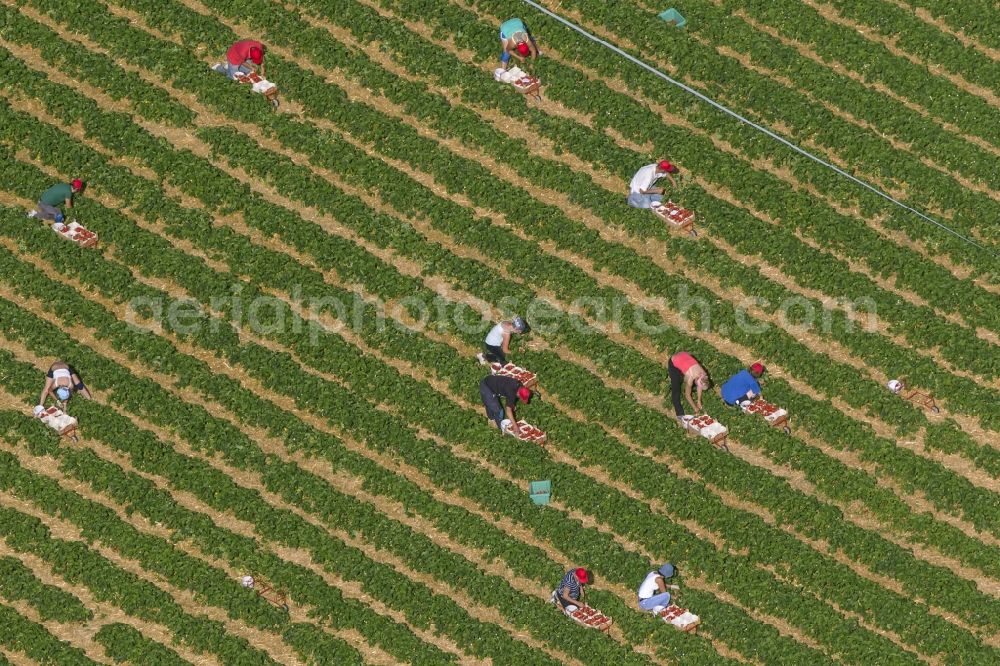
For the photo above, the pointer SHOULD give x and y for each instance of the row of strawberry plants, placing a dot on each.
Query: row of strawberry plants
(19, 634)
(880, 396)
(872, 348)
(770, 100)
(842, 45)
(921, 40)
(18, 583)
(126, 644)
(269, 362)
(83, 65)
(779, 247)
(421, 459)
(472, 88)
(98, 522)
(78, 564)
(214, 487)
(975, 18)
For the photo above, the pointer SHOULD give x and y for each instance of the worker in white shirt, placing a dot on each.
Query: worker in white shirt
(497, 343)
(642, 190)
(653, 595)
(61, 382)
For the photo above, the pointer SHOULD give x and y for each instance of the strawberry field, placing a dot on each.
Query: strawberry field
(280, 322)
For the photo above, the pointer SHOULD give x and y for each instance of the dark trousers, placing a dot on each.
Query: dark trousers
(494, 354)
(676, 382)
(491, 401)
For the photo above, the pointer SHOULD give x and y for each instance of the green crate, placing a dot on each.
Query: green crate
(674, 18)
(539, 491)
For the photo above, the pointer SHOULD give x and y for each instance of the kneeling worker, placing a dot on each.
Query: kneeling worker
(653, 595)
(48, 204)
(497, 343)
(60, 383)
(570, 590)
(642, 194)
(494, 387)
(743, 386)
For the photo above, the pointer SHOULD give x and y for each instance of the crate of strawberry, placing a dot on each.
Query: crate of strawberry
(591, 617)
(774, 416)
(76, 232)
(675, 215)
(526, 432)
(526, 377)
(707, 427)
(680, 618)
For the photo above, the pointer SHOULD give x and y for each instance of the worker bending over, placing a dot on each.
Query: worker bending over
(653, 594)
(61, 382)
(642, 190)
(743, 386)
(48, 204)
(684, 370)
(497, 343)
(516, 41)
(495, 387)
(240, 54)
(570, 591)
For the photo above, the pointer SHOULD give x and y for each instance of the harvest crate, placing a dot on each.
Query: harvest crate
(678, 218)
(529, 433)
(529, 379)
(76, 232)
(771, 413)
(681, 618)
(524, 83)
(710, 429)
(589, 617)
(60, 421)
(266, 592)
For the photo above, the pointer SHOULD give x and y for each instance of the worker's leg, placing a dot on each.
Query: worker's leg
(636, 200)
(662, 599)
(568, 606)
(47, 212)
(232, 70)
(504, 59)
(490, 402)
(494, 354)
(676, 382)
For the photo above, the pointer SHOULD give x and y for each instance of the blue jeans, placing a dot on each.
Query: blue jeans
(492, 404)
(662, 599)
(637, 200)
(232, 70)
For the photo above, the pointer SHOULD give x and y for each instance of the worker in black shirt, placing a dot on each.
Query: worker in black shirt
(494, 387)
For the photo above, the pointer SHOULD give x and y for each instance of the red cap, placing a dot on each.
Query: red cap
(582, 575)
(523, 49)
(523, 394)
(256, 55)
(77, 184)
(666, 166)
(757, 368)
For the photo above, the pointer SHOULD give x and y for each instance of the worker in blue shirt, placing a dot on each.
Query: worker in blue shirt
(742, 386)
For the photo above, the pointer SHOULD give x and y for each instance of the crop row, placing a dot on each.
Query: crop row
(808, 120)
(885, 402)
(311, 494)
(19, 634)
(867, 345)
(286, 371)
(18, 583)
(806, 264)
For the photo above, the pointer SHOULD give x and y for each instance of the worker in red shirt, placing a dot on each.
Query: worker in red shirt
(242, 52)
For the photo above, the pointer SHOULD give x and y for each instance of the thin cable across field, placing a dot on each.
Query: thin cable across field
(760, 128)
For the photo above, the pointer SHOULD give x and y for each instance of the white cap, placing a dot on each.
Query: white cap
(247, 581)
(895, 385)
(38, 410)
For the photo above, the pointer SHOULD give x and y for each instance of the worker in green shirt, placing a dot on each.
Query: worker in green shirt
(48, 204)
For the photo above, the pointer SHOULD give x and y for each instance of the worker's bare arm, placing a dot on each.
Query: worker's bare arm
(45, 391)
